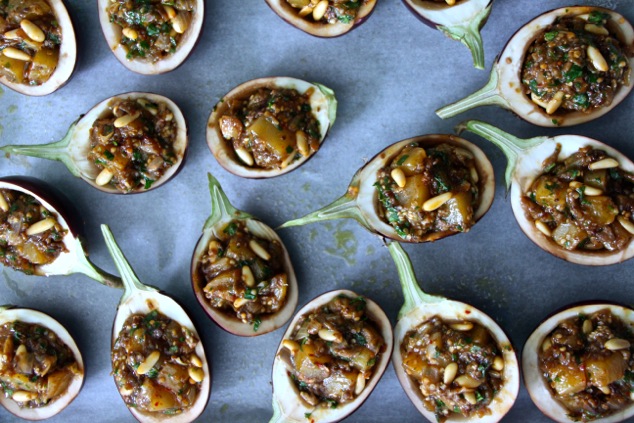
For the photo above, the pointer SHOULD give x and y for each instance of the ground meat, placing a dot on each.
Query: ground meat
(575, 64)
(587, 363)
(580, 206)
(458, 366)
(416, 179)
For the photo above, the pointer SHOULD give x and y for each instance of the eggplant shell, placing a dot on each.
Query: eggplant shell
(66, 61)
(37, 317)
(287, 405)
(112, 33)
(320, 29)
(321, 99)
(536, 385)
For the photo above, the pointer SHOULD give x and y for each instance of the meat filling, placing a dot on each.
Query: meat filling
(329, 11)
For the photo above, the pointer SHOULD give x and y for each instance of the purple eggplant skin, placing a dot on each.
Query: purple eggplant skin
(317, 29)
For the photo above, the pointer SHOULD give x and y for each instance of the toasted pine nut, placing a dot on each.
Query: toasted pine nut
(240, 302)
(320, 10)
(21, 351)
(247, 276)
(592, 191)
(451, 2)
(597, 59)
(171, 13)
(23, 396)
(125, 120)
(179, 24)
(4, 206)
(130, 33)
(259, 250)
(450, 373)
(537, 100)
(473, 173)
(14, 34)
(555, 102)
(399, 176)
(575, 184)
(41, 226)
(585, 16)
(196, 373)
(104, 177)
(195, 360)
(543, 228)
(14, 53)
(360, 386)
(616, 344)
(437, 201)
(596, 29)
(148, 363)
(587, 326)
(302, 143)
(470, 397)
(290, 345)
(467, 381)
(605, 389)
(150, 107)
(305, 11)
(498, 363)
(327, 334)
(169, 117)
(627, 224)
(244, 155)
(547, 345)
(607, 163)
(461, 326)
(288, 160)
(309, 398)
(32, 31)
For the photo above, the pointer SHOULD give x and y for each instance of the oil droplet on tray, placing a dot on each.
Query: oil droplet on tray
(346, 245)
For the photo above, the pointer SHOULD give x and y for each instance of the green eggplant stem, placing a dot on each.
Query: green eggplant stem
(332, 102)
(470, 36)
(343, 208)
(85, 266)
(221, 208)
(277, 417)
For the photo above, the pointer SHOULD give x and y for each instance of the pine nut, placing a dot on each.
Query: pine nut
(104, 177)
(148, 363)
(244, 155)
(240, 302)
(320, 10)
(32, 31)
(450, 373)
(585, 16)
(605, 389)
(498, 364)
(537, 100)
(4, 206)
(327, 334)
(288, 160)
(309, 398)
(607, 163)
(179, 24)
(41, 226)
(596, 29)
(290, 345)
(171, 13)
(597, 59)
(23, 396)
(467, 381)
(543, 228)
(169, 117)
(461, 326)
(470, 397)
(302, 143)
(437, 201)
(616, 344)
(306, 10)
(547, 345)
(195, 360)
(591, 191)
(627, 224)
(587, 326)
(14, 53)
(196, 373)
(451, 2)
(150, 107)
(247, 276)
(259, 250)
(554, 104)
(473, 173)
(399, 176)
(125, 120)
(14, 34)
(360, 386)
(130, 33)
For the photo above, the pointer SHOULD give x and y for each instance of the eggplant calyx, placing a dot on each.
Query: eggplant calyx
(331, 100)
(469, 35)
(85, 266)
(221, 207)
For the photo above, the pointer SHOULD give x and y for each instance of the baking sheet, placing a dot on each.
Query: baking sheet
(389, 75)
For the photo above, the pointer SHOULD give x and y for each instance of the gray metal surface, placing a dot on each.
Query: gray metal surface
(389, 75)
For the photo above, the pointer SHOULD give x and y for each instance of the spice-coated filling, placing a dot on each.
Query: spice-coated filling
(155, 365)
(133, 143)
(584, 202)
(151, 30)
(457, 365)
(271, 128)
(328, 11)
(429, 193)
(334, 350)
(30, 38)
(244, 274)
(587, 362)
(576, 64)
(36, 367)
(30, 235)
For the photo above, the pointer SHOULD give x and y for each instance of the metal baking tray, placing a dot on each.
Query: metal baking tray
(390, 74)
